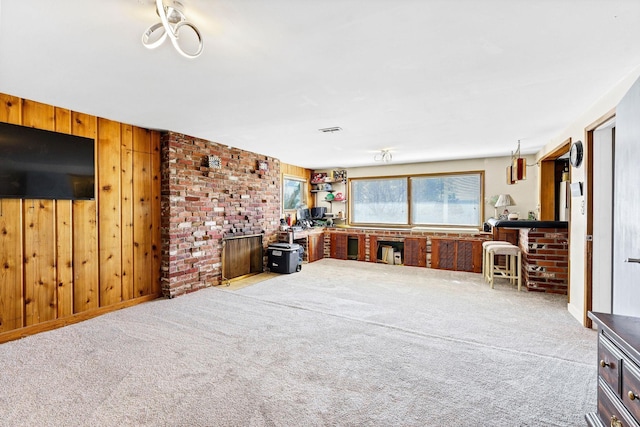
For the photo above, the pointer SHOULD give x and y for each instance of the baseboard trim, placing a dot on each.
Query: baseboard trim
(69, 320)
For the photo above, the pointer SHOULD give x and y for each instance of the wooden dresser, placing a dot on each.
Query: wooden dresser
(618, 371)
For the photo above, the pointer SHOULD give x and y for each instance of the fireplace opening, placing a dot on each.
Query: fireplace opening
(242, 256)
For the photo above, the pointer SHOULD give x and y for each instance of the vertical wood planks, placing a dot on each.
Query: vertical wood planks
(64, 235)
(11, 272)
(110, 216)
(64, 258)
(10, 109)
(10, 264)
(37, 115)
(142, 215)
(85, 256)
(126, 163)
(39, 261)
(56, 259)
(83, 125)
(62, 120)
(85, 243)
(40, 275)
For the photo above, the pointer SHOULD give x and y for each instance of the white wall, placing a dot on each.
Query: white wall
(525, 193)
(577, 227)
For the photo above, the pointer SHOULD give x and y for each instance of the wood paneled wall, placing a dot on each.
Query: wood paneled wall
(63, 261)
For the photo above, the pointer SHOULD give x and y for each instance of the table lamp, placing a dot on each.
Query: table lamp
(503, 201)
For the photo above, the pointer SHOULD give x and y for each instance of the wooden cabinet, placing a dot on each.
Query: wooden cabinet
(456, 254)
(415, 252)
(340, 246)
(618, 371)
(315, 247)
(311, 240)
(506, 234)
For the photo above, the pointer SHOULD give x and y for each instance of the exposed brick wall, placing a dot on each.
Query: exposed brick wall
(545, 259)
(202, 205)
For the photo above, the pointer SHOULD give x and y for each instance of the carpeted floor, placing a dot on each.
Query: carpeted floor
(341, 343)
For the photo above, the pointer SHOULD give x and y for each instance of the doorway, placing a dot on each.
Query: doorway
(552, 168)
(603, 146)
(599, 182)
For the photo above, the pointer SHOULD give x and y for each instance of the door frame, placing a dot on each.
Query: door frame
(547, 181)
(589, 203)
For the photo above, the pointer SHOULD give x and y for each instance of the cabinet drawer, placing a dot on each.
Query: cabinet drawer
(610, 410)
(631, 388)
(609, 360)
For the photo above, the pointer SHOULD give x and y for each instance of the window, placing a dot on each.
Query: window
(293, 193)
(441, 200)
(379, 201)
(446, 200)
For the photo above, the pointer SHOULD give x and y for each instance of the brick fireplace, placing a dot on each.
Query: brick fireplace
(202, 205)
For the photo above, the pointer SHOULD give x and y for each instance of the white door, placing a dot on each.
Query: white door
(603, 144)
(626, 206)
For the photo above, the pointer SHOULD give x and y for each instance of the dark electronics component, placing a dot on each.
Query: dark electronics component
(303, 218)
(303, 214)
(318, 212)
(40, 164)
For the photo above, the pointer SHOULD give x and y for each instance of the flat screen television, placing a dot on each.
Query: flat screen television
(40, 164)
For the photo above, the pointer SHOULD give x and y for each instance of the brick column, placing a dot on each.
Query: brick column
(202, 205)
(545, 259)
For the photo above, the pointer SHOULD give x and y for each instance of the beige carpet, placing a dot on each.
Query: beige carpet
(341, 343)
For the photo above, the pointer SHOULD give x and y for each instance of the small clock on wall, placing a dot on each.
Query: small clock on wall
(214, 162)
(576, 153)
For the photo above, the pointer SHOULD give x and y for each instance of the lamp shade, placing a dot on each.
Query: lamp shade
(504, 200)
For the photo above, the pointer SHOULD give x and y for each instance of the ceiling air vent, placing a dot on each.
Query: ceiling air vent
(331, 129)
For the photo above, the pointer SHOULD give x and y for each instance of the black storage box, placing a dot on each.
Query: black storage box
(285, 258)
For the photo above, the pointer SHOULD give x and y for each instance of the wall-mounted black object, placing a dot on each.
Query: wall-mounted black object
(575, 154)
(40, 164)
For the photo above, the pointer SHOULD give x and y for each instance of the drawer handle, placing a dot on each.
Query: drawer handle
(632, 395)
(615, 422)
(604, 364)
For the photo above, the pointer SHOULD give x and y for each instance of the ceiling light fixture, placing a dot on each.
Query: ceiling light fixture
(384, 156)
(172, 19)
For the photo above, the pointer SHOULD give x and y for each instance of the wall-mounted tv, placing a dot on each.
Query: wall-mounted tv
(39, 164)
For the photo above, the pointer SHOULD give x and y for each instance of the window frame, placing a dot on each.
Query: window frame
(303, 192)
(409, 223)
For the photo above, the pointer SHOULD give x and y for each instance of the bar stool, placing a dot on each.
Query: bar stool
(485, 259)
(512, 269)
